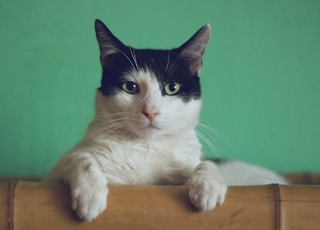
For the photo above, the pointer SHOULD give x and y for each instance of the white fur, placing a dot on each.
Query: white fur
(122, 146)
(240, 173)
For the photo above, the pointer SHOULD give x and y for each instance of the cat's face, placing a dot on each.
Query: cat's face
(150, 92)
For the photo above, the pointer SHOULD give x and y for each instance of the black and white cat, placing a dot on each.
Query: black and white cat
(143, 132)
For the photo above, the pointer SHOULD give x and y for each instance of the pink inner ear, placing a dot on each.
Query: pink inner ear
(193, 50)
(195, 66)
(194, 60)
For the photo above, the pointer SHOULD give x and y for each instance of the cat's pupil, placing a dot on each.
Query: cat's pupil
(131, 86)
(172, 88)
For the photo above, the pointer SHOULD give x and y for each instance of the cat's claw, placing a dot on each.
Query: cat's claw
(88, 201)
(206, 188)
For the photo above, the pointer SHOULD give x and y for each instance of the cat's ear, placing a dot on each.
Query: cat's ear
(192, 51)
(108, 43)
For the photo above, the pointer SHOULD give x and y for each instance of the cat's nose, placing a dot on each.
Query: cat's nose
(150, 114)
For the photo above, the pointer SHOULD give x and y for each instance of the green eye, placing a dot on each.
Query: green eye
(172, 88)
(130, 87)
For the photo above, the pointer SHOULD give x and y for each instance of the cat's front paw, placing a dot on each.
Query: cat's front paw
(206, 188)
(89, 201)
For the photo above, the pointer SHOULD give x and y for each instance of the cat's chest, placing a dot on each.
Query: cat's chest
(146, 163)
(137, 156)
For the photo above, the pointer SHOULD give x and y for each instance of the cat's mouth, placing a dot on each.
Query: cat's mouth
(149, 124)
(152, 126)
(148, 130)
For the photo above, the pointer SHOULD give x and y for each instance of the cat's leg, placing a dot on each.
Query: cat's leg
(87, 182)
(207, 188)
(89, 190)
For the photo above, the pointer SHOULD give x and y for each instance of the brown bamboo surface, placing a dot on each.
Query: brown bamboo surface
(34, 205)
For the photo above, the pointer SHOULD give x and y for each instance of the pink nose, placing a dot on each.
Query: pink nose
(150, 114)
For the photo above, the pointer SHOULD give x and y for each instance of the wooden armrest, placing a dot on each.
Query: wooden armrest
(33, 205)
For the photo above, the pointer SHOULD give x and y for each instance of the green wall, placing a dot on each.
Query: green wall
(260, 76)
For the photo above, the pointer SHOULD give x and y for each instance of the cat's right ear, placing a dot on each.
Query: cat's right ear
(108, 43)
(192, 51)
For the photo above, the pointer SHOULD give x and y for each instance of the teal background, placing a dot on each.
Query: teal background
(260, 75)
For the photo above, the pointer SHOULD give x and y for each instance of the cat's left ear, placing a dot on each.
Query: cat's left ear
(192, 51)
(108, 43)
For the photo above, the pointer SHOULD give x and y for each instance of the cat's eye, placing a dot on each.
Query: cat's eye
(130, 87)
(172, 88)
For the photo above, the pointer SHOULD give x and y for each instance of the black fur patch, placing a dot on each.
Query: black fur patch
(176, 70)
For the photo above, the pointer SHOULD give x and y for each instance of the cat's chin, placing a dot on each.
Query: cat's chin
(149, 132)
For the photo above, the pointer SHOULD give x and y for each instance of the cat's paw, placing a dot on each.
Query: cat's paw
(206, 188)
(89, 201)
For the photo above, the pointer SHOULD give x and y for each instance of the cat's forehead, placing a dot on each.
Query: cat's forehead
(149, 60)
(140, 76)
(154, 56)
(147, 64)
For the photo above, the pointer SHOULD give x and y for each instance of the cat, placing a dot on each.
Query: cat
(143, 132)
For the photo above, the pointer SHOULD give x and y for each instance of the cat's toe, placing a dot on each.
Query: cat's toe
(205, 195)
(207, 188)
(89, 202)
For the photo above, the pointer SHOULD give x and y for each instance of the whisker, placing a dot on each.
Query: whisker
(172, 66)
(113, 121)
(113, 126)
(111, 115)
(214, 131)
(209, 143)
(168, 62)
(134, 57)
(126, 56)
(206, 134)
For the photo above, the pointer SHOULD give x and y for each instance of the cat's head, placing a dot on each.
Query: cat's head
(150, 92)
